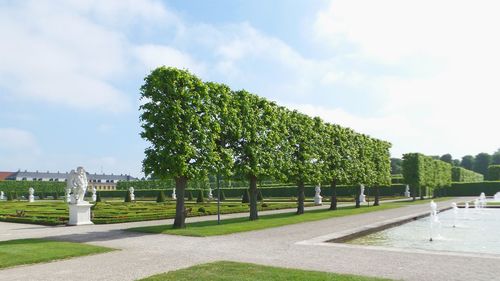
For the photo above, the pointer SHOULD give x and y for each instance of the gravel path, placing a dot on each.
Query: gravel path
(296, 246)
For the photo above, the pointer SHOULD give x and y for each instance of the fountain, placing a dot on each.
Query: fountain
(496, 197)
(434, 220)
(476, 203)
(455, 213)
(482, 200)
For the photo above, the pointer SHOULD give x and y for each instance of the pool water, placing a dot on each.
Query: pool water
(475, 231)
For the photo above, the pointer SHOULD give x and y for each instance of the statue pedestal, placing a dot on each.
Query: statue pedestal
(79, 214)
(318, 200)
(31, 199)
(407, 194)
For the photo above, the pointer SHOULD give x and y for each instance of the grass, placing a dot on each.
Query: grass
(210, 228)
(50, 212)
(228, 271)
(235, 225)
(28, 251)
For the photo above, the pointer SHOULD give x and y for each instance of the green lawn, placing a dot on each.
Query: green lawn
(52, 212)
(229, 271)
(210, 228)
(27, 251)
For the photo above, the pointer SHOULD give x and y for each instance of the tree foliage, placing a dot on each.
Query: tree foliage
(195, 129)
(425, 174)
(481, 163)
(459, 174)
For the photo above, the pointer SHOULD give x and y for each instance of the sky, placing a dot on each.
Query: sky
(420, 74)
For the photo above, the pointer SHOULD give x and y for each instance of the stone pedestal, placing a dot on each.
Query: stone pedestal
(318, 200)
(31, 198)
(79, 214)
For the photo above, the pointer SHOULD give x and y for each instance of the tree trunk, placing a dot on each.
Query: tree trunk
(376, 202)
(301, 198)
(180, 209)
(253, 198)
(356, 199)
(333, 203)
(422, 192)
(414, 192)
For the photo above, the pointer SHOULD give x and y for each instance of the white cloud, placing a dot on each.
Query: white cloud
(444, 56)
(16, 140)
(153, 56)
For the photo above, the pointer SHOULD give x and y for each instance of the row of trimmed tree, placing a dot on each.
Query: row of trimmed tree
(197, 128)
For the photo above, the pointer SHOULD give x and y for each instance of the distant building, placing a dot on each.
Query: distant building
(99, 181)
(5, 175)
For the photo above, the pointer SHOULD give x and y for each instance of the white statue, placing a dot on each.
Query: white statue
(2, 195)
(31, 197)
(407, 191)
(77, 185)
(210, 195)
(174, 196)
(132, 195)
(317, 197)
(94, 193)
(79, 209)
(362, 194)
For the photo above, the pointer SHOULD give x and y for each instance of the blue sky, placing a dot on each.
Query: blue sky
(419, 74)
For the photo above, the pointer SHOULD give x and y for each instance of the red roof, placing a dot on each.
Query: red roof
(3, 175)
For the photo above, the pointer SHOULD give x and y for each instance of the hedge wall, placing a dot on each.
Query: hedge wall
(40, 186)
(472, 188)
(494, 172)
(425, 174)
(459, 174)
(396, 189)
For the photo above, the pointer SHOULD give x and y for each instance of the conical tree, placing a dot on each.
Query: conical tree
(128, 198)
(98, 197)
(246, 197)
(201, 197)
(160, 197)
(259, 196)
(10, 196)
(190, 195)
(222, 196)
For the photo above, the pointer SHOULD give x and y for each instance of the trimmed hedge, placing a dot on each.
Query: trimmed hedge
(494, 172)
(425, 174)
(39, 186)
(472, 188)
(459, 174)
(269, 192)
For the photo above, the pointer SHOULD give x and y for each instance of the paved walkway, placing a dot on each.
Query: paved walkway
(142, 255)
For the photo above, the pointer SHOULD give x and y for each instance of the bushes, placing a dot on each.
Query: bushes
(9, 196)
(459, 174)
(200, 198)
(190, 195)
(472, 188)
(161, 197)
(494, 172)
(98, 197)
(259, 196)
(222, 196)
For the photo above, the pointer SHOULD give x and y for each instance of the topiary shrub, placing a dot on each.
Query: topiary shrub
(222, 196)
(200, 198)
(190, 195)
(9, 196)
(128, 198)
(264, 205)
(259, 196)
(15, 196)
(201, 210)
(161, 197)
(56, 196)
(246, 197)
(41, 195)
(98, 197)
